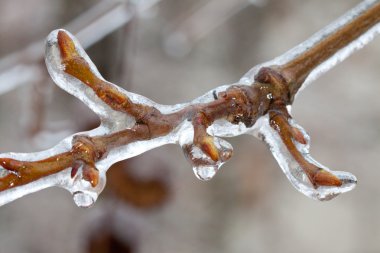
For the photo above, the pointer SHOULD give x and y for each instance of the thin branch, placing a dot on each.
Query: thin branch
(132, 124)
(365, 16)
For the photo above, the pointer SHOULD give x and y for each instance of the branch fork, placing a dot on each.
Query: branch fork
(238, 104)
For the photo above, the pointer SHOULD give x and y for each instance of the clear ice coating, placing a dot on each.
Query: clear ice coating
(82, 199)
(338, 57)
(203, 166)
(84, 195)
(293, 170)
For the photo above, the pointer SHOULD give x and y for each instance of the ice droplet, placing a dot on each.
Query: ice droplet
(84, 195)
(203, 166)
(82, 199)
(293, 170)
(205, 173)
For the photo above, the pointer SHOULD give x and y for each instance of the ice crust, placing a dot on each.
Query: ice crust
(112, 121)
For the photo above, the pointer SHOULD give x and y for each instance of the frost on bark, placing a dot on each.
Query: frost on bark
(258, 105)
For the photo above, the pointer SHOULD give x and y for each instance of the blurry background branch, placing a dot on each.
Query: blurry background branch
(193, 25)
(91, 26)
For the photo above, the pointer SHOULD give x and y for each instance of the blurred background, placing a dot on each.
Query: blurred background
(173, 51)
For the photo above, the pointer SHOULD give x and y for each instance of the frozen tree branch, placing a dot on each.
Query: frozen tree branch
(352, 32)
(131, 124)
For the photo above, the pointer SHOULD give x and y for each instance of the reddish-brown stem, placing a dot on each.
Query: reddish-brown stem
(25, 172)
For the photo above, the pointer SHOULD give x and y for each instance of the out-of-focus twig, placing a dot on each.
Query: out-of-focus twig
(144, 193)
(107, 16)
(18, 74)
(195, 24)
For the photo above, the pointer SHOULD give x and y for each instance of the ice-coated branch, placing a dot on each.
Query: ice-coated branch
(321, 52)
(132, 124)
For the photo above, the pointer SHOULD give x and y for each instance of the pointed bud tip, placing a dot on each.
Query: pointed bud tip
(91, 174)
(298, 136)
(325, 178)
(209, 148)
(66, 45)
